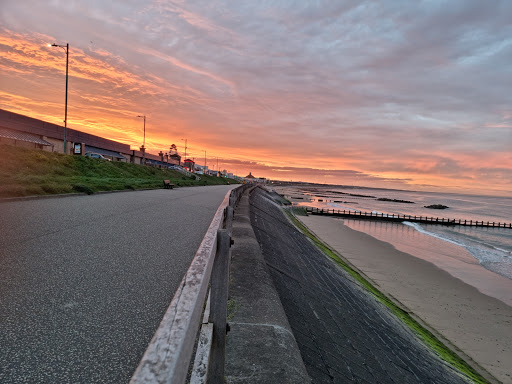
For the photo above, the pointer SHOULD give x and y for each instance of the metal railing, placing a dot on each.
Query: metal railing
(169, 354)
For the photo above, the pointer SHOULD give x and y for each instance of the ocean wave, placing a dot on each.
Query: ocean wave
(490, 257)
(420, 229)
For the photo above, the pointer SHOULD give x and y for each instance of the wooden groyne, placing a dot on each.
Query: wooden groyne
(400, 218)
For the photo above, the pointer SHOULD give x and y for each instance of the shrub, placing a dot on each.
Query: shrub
(82, 188)
(52, 188)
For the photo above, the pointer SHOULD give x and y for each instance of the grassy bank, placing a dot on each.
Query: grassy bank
(423, 333)
(29, 172)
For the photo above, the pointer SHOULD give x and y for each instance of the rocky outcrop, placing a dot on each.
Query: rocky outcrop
(436, 206)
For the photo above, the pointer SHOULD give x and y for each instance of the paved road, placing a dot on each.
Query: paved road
(344, 334)
(85, 280)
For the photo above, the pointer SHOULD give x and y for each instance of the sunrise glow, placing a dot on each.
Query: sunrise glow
(356, 95)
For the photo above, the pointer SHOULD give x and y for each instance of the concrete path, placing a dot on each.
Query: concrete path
(85, 280)
(344, 334)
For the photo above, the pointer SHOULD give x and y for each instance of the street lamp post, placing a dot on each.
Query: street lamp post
(204, 161)
(66, 48)
(185, 140)
(144, 141)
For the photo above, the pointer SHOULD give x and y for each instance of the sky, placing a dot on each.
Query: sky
(405, 94)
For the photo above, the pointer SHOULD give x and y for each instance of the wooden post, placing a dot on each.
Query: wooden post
(218, 307)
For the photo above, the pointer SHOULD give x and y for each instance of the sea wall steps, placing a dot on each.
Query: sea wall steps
(400, 218)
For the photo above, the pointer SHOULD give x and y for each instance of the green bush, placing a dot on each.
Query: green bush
(82, 188)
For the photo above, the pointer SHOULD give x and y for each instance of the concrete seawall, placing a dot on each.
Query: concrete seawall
(261, 347)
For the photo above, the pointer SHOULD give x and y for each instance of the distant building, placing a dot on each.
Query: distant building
(251, 179)
(190, 164)
(24, 131)
(175, 157)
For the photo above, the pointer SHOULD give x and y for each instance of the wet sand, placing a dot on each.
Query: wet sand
(478, 325)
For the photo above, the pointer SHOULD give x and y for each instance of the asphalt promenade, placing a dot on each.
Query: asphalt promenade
(343, 334)
(85, 280)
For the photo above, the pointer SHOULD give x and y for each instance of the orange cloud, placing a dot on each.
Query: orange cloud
(268, 130)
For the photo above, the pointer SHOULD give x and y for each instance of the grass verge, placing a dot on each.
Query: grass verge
(424, 334)
(29, 172)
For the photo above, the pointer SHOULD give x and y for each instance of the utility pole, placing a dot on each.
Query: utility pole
(144, 141)
(185, 140)
(66, 48)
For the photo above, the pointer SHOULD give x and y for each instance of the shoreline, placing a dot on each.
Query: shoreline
(449, 257)
(475, 323)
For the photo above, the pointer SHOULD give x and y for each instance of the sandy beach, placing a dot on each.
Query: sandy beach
(478, 325)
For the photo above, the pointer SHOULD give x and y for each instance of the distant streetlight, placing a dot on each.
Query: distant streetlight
(66, 48)
(144, 141)
(204, 161)
(185, 140)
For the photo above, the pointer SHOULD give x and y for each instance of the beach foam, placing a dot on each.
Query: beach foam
(490, 257)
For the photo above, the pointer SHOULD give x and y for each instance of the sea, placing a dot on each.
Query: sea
(481, 257)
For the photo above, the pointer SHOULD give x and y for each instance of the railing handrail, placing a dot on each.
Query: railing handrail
(169, 353)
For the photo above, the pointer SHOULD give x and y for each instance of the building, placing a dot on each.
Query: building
(189, 164)
(175, 157)
(24, 131)
(20, 130)
(251, 179)
(201, 169)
